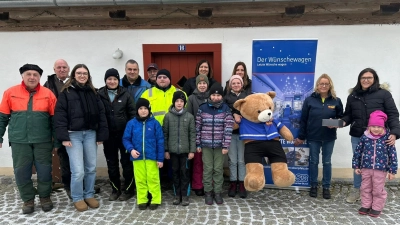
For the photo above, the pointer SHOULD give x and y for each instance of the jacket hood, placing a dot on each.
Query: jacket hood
(175, 112)
(384, 86)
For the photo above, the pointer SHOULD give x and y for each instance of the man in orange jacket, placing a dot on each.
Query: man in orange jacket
(27, 109)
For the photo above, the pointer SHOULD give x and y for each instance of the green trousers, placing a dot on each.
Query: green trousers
(147, 179)
(213, 163)
(26, 155)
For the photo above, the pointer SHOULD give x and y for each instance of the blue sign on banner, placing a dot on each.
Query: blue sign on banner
(288, 68)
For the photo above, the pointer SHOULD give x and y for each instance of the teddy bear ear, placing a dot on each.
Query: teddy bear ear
(238, 104)
(272, 94)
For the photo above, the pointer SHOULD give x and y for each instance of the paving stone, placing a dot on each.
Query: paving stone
(268, 206)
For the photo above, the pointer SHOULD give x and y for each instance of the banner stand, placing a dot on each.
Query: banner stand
(287, 67)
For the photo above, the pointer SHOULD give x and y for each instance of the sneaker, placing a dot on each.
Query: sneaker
(185, 200)
(114, 195)
(97, 189)
(125, 196)
(374, 213)
(177, 200)
(81, 206)
(209, 198)
(28, 207)
(92, 202)
(218, 198)
(326, 193)
(46, 204)
(199, 192)
(363, 211)
(313, 191)
(153, 206)
(68, 191)
(242, 190)
(232, 189)
(143, 206)
(354, 196)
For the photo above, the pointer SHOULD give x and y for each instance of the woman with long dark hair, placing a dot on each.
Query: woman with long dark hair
(81, 125)
(203, 67)
(367, 96)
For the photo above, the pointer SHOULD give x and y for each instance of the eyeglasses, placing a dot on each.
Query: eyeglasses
(82, 74)
(324, 84)
(367, 78)
(162, 77)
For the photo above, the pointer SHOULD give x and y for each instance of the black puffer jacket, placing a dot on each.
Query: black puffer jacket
(120, 111)
(69, 116)
(362, 103)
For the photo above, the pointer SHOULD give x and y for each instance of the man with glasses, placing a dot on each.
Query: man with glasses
(152, 70)
(27, 109)
(132, 80)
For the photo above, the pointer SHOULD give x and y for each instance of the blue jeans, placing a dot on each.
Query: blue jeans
(327, 149)
(82, 159)
(356, 177)
(236, 159)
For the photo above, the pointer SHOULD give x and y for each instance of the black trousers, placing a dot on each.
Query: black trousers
(113, 147)
(180, 174)
(254, 151)
(65, 169)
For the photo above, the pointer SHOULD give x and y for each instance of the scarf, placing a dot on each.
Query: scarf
(215, 104)
(89, 105)
(112, 93)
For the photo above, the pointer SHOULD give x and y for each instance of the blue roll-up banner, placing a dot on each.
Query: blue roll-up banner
(288, 68)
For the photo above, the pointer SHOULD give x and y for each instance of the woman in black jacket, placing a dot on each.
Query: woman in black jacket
(202, 67)
(119, 108)
(81, 125)
(367, 96)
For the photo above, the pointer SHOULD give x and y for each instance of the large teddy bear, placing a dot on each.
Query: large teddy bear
(260, 133)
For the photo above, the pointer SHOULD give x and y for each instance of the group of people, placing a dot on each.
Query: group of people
(374, 127)
(140, 124)
(146, 122)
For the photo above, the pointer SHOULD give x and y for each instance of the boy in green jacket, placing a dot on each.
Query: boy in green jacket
(180, 145)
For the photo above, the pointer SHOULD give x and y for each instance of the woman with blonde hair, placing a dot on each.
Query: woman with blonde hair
(321, 104)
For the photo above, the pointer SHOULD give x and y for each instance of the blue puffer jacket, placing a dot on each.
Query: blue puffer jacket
(146, 137)
(314, 110)
(375, 154)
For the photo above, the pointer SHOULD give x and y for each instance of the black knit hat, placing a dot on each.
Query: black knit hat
(164, 72)
(27, 67)
(216, 88)
(143, 102)
(179, 95)
(111, 72)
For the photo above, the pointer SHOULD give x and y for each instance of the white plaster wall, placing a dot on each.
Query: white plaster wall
(343, 51)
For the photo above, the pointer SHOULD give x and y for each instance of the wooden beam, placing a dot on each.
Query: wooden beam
(220, 22)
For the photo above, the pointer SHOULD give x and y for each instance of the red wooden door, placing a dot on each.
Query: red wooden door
(180, 64)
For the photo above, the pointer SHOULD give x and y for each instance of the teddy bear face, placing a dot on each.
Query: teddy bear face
(256, 107)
